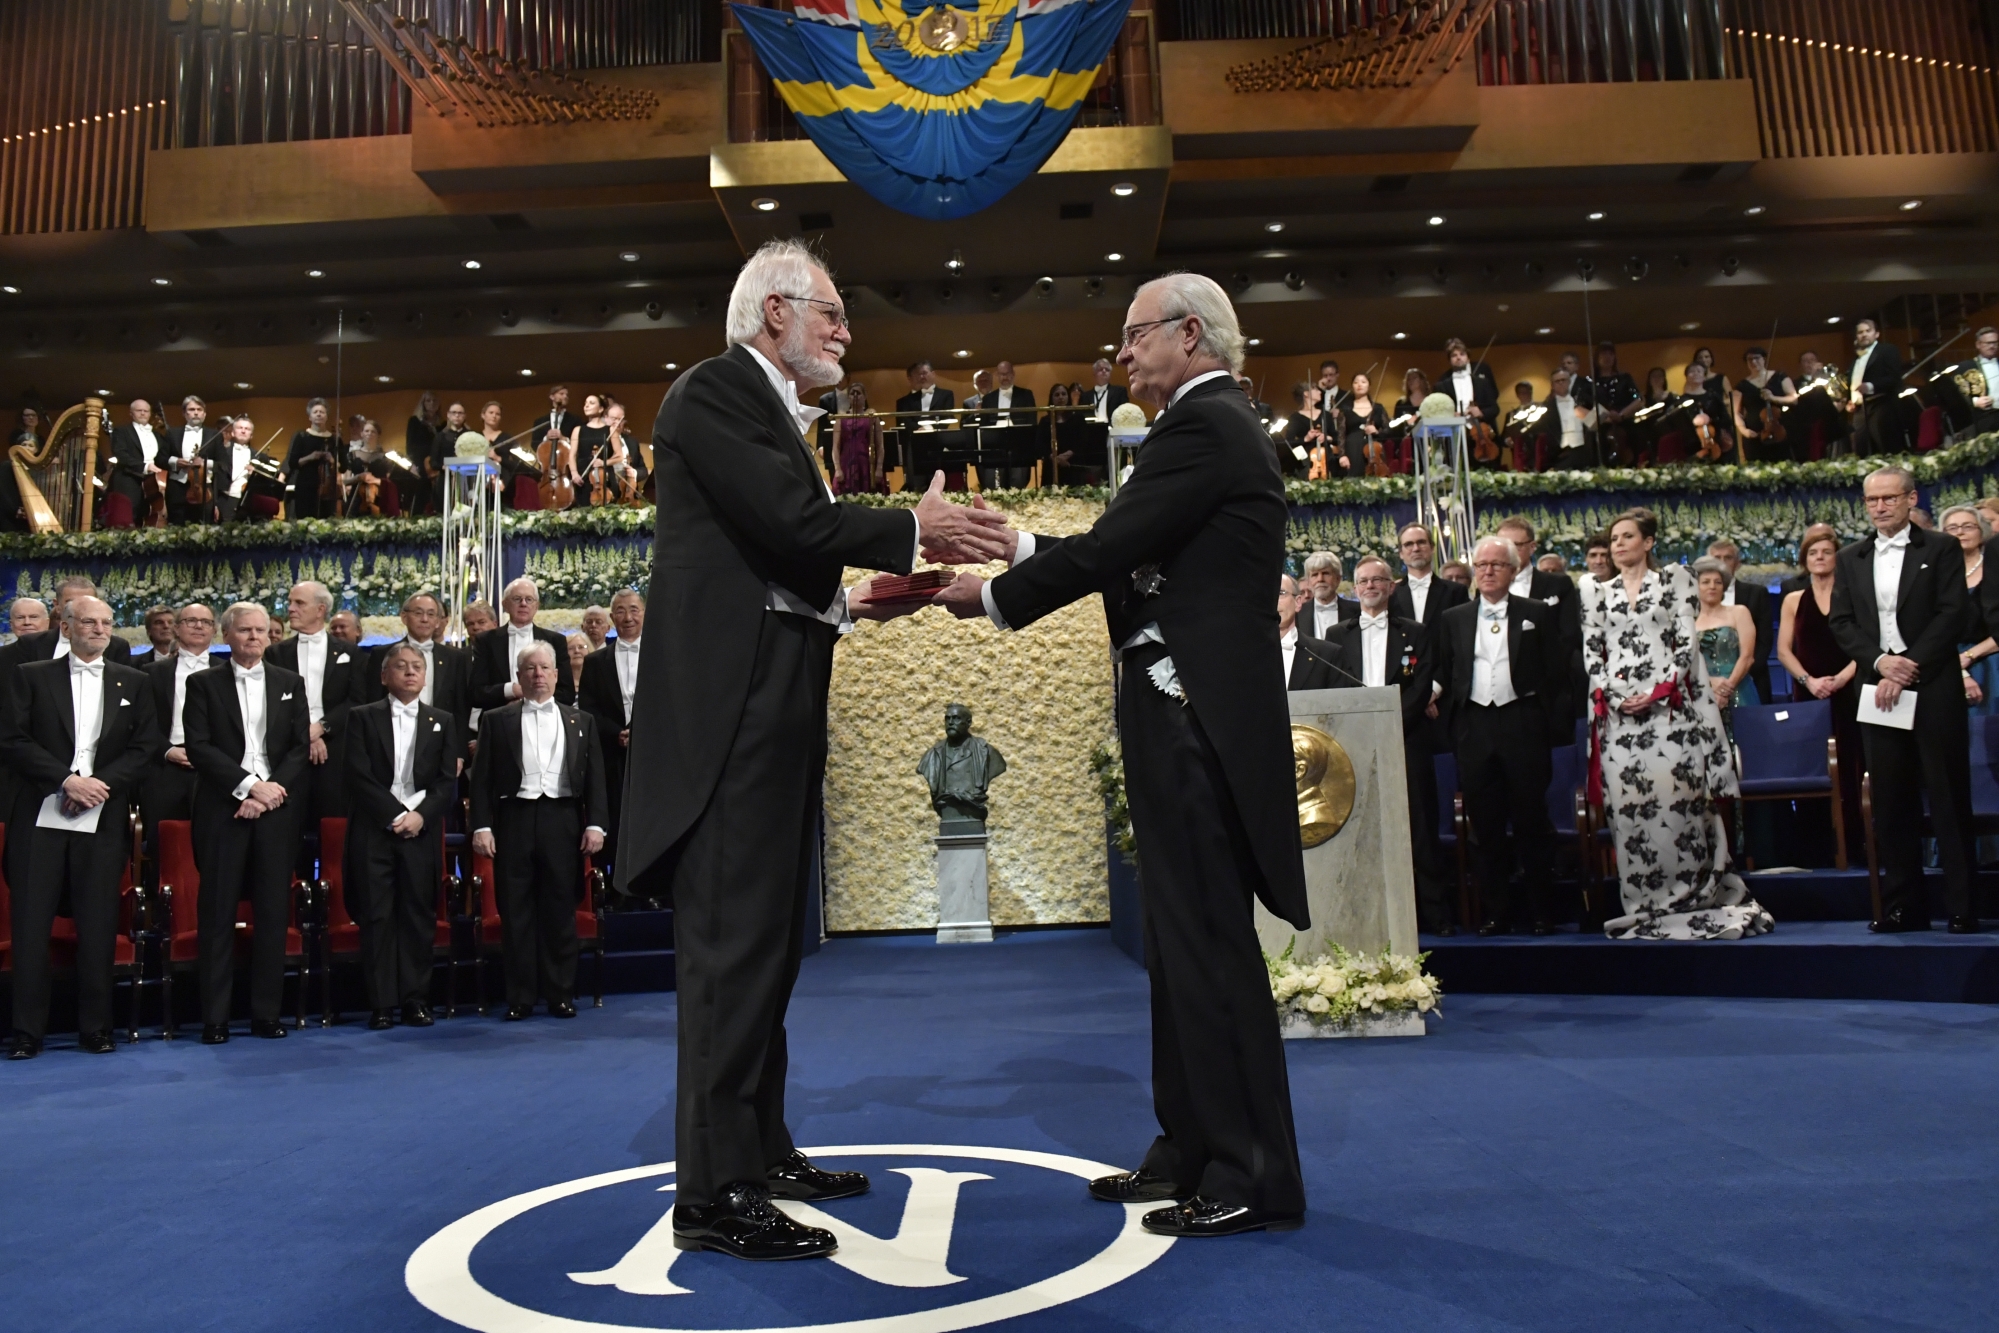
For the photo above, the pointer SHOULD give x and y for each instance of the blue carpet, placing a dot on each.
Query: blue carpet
(1557, 1163)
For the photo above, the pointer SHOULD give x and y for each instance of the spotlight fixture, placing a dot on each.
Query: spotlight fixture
(11, 290)
(956, 263)
(1124, 189)
(764, 205)
(527, 374)
(244, 384)
(1436, 220)
(1400, 337)
(1911, 205)
(1753, 211)
(1596, 217)
(163, 282)
(1545, 330)
(1109, 347)
(669, 365)
(385, 379)
(104, 393)
(315, 273)
(472, 263)
(1253, 342)
(963, 354)
(1730, 265)
(1044, 285)
(1294, 280)
(1273, 227)
(654, 310)
(630, 256)
(1690, 326)
(1114, 257)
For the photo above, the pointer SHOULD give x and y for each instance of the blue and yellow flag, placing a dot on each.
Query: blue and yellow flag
(935, 109)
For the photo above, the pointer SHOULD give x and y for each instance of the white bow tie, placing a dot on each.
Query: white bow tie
(195, 659)
(250, 673)
(628, 646)
(1374, 622)
(520, 631)
(402, 709)
(316, 638)
(545, 706)
(1491, 611)
(1900, 539)
(77, 666)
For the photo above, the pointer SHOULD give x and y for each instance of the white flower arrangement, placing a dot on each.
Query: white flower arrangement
(1342, 989)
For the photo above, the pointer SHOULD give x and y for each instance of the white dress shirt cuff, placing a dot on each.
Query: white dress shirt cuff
(511, 690)
(592, 828)
(242, 792)
(1023, 550)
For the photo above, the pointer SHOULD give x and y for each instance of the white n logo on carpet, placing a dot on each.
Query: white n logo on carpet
(916, 1256)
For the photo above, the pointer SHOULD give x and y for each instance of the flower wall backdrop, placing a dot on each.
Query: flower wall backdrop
(1042, 695)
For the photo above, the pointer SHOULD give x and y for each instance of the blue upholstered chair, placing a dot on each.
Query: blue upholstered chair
(1788, 754)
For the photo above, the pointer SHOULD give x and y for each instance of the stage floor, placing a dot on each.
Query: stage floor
(1538, 1162)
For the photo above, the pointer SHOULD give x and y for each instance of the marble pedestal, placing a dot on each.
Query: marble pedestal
(1360, 884)
(964, 911)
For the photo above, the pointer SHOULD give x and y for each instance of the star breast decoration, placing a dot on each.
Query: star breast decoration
(937, 110)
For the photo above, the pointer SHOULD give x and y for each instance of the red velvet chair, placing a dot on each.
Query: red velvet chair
(180, 896)
(486, 920)
(526, 494)
(1932, 429)
(115, 511)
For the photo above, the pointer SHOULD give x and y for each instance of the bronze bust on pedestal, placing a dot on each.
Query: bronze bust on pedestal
(959, 768)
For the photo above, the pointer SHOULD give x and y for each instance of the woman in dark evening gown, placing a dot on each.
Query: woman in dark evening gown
(1821, 670)
(313, 455)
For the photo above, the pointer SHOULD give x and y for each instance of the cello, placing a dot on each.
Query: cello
(556, 457)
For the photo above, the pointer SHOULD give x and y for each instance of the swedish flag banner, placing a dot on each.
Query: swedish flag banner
(935, 109)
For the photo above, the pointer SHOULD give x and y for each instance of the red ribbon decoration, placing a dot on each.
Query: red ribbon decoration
(1667, 690)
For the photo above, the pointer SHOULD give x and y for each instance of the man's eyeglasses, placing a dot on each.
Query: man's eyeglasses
(1483, 565)
(835, 316)
(1133, 332)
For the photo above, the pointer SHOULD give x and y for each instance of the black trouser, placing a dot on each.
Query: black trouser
(1433, 886)
(42, 862)
(392, 895)
(1220, 1087)
(739, 877)
(238, 859)
(226, 509)
(1934, 758)
(1504, 771)
(1877, 428)
(614, 784)
(166, 792)
(538, 878)
(178, 509)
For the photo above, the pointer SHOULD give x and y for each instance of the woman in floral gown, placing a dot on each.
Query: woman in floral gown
(1664, 755)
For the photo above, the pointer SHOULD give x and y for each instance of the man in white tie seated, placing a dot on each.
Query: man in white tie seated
(402, 769)
(496, 656)
(79, 734)
(537, 806)
(610, 680)
(168, 789)
(248, 736)
(1383, 648)
(1327, 608)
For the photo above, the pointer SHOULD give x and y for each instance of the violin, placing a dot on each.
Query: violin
(1484, 444)
(556, 457)
(197, 482)
(367, 499)
(1710, 442)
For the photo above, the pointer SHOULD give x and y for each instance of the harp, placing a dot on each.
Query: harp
(58, 478)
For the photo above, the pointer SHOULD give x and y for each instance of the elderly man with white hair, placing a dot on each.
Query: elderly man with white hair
(27, 615)
(1501, 665)
(496, 656)
(728, 731)
(332, 669)
(1185, 558)
(1326, 608)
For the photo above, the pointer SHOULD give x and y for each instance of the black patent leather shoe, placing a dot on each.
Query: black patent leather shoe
(214, 1034)
(96, 1043)
(1140, 1186)
(24, 1047)
(1964, 925)
(1199, 1217)
(1898, 921)
(417, 1015)
(796, 1178)
(745, 1224)
(1545, 928)
(562, 1008)
(381, 1020)
(1491, 928)
(517, 1012)
(270, 1029)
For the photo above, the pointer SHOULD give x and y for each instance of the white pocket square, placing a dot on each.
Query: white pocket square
(1549, 600)
(437, 726)
(124, 703)
(283, 697)
(1526, 625)
(349, 656)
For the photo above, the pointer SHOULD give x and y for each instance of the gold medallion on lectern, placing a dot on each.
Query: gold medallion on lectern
(1325, 784)
(943, 29)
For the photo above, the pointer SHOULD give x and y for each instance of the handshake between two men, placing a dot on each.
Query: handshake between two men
(952, 534)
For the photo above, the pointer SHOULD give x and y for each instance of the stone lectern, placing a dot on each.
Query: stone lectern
(1353, 815)
(959, 769)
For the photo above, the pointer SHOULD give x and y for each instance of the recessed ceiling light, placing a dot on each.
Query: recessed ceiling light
(1545, 330)
(630, 256)
(669, 365)
(471, 263)
(764, 205)
(1124, 189)
(1436, 219)
(11, 290)
(1400, 336)
(956, 263)
(1504, 307)
(963, 354)
(1596, 217)
(1690, 326)
(1109, 347)
(1753, 211)
(385, 379)
(527, 372)
(1911, 205)
(104, 393)
(1273, 226)
(163, 282)
(1832, 319)
(315, 273)
(1114, 256)
(244, 384)
(1255, 342)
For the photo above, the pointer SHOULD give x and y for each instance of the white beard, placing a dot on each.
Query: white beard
(806, 367)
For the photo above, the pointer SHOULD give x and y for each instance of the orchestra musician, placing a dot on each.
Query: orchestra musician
(229, 456)
(1303, 433)
(1471, 387)
(586, 441)
(1702, 402)
(1330, 393)
(1758, 398)
(1818, 422)
(1567, 439)
(1612, 396)
(442, 450)
(310, 464)
(1362, 421)
(1518, 437)
(1402, 421)
(1874, 395)
(558, 423)
(1105, 397)
(135, 457)
(613, 460)
(186, 450)
(420, 447)
(1985, 361)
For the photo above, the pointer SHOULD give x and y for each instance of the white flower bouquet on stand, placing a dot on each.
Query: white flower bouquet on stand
(1345, 994)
